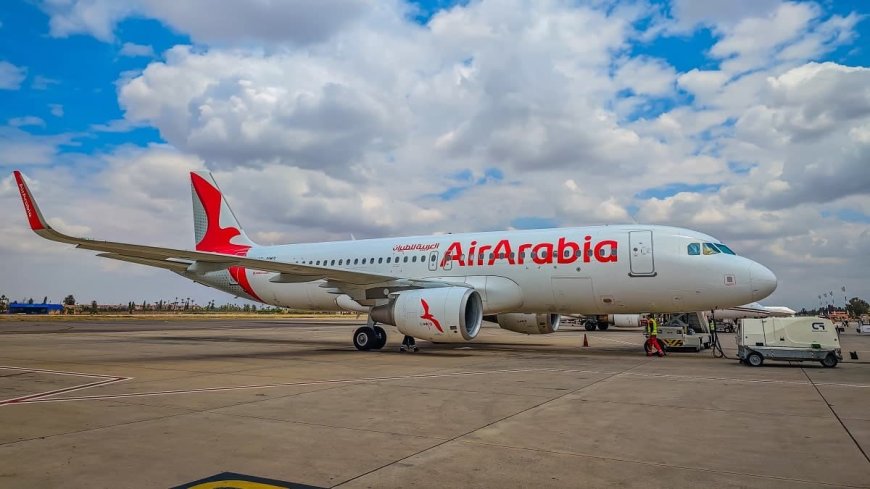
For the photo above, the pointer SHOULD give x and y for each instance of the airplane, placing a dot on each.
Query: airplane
(438, 288)
(752, 310)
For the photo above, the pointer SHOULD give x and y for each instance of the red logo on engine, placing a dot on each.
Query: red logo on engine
(428, 316)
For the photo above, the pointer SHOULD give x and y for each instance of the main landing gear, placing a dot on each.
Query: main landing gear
(373, 337)
(369, 338)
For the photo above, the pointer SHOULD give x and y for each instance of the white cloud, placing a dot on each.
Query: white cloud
(94, 17)
(42, 83)
(11, 76)
(297, 21)
(688, 13)
(29, 120)
(56, 109)
(18, 147)
(135, 50)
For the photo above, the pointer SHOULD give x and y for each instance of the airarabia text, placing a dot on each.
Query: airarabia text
(564, 251)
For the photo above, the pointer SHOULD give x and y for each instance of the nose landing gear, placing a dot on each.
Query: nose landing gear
(408, 344)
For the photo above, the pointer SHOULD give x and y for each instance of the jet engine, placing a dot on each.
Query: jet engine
(443, 315)
(529, 323)
(604, 321)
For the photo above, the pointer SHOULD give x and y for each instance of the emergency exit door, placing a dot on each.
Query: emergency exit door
(640, 247)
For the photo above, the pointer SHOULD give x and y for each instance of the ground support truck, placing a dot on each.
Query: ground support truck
(788, 339)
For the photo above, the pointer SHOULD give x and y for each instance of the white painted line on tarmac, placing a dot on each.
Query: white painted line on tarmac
(47, 397)
(750, 381)
(105, 380)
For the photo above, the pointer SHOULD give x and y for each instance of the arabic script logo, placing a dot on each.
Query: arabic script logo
(428, 316)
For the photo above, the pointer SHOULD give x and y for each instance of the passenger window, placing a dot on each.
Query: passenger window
(432, 258)
(364, 261)
(710, 249)
(339, 262)
(381, 260)
(413, 258)
(371, 261)
(332, 262)
(355, 261)
(388, 259)
(318, 262)
(406, 259)
(694, 249)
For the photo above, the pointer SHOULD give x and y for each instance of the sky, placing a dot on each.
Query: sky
(748, 120)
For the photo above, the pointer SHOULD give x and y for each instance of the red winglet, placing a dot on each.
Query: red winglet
(37, 223)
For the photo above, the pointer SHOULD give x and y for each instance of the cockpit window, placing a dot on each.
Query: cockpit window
(725, 249)
(694, 248)
(710, 249)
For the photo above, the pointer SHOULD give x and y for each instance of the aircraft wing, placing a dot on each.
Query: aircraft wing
(187, 260)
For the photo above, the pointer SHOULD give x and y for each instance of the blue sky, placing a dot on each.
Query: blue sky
(616, 112)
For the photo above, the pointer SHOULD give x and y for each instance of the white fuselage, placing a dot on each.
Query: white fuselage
(587, 270)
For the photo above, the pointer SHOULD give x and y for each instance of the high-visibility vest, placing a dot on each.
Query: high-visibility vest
(652, 327)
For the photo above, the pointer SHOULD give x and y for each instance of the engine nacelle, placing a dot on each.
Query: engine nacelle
(444, 315)
(529, 323)
(625, 320)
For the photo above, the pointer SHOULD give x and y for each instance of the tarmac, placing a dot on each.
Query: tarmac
(156, 404)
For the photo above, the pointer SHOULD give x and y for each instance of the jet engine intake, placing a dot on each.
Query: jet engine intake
(529, 323)
(444, 315)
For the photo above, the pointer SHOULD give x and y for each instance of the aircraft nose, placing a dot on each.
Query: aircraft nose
(762, 281)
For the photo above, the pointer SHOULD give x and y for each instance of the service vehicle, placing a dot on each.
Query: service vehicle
(788, 339)
(689, 330)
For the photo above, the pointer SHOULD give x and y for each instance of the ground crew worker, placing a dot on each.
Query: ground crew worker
(652, 342)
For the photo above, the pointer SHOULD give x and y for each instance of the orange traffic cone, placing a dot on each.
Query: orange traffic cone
(585, 341)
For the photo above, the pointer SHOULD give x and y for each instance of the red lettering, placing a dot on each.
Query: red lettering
(522, 251)
(482, 253)
(611, 255)
(566, 252)
(453, 253)
(503, 247)
(471, 253)
(547, 255)
(570, 246)
(587, 251)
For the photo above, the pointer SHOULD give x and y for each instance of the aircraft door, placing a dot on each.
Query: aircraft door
(433, 261)
(640, 246)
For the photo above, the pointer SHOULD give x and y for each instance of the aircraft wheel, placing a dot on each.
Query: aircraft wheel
(829, 361)
(754, 359)
(364, 338)
(381, 337)
(589, 326)
(603, 326)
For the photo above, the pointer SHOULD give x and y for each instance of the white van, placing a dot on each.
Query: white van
(789, 339)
